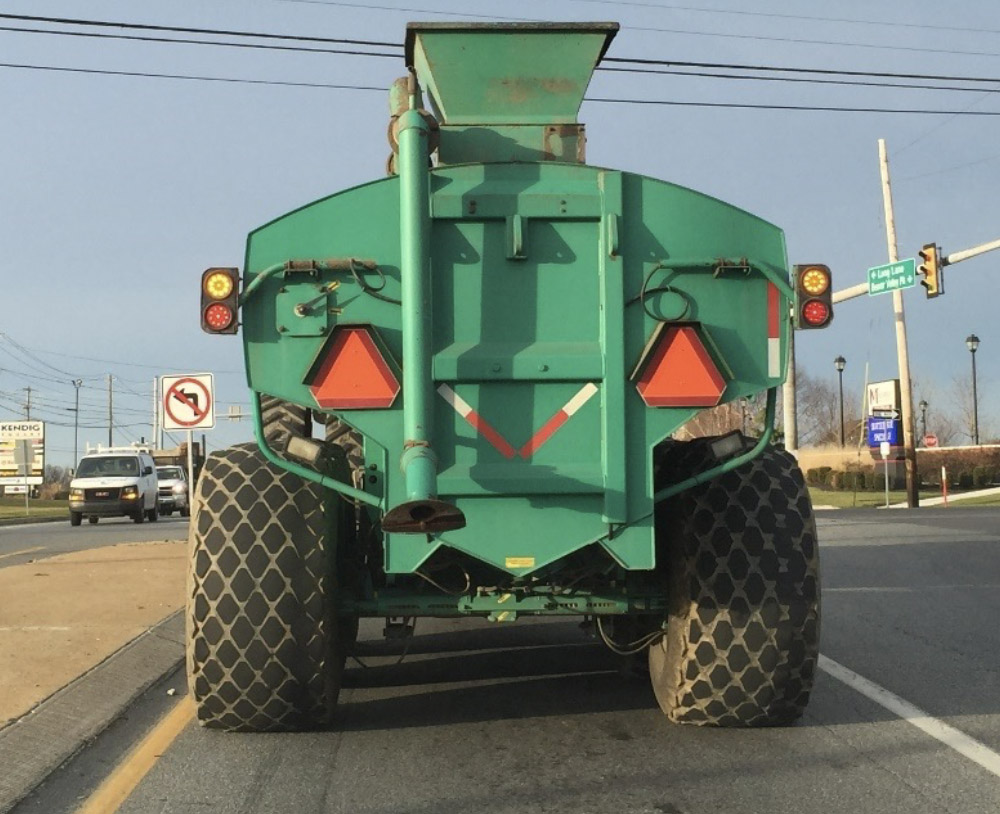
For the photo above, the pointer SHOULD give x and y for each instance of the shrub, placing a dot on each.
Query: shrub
(983, 476)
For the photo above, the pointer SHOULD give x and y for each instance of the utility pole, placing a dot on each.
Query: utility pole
(111, 410)
(906, 392)
(156, 414)
(77, 383)
(27, 404)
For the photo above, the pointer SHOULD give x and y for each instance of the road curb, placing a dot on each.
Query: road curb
(30, 521)
(33, 746)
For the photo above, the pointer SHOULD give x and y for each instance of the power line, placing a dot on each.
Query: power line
(603, 68)
(881, 46)
(796, 79)
(185, 30)
(217, 43)
(396, 45)
(814, 108)
(804, 17)
(149, 75)
(602, 100)
(798, 69)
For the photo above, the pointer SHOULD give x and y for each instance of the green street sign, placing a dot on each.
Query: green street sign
(892, 277)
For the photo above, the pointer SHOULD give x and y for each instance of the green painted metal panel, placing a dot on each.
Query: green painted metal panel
(514, 74)
(536, 272)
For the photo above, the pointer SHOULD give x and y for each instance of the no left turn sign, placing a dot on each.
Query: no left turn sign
(188, 401)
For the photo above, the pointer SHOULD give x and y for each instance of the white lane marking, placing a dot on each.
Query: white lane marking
(21, 628)
(948, 735)
(22, 551)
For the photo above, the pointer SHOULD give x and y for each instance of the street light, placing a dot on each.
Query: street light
(972, 343)
(923, 417)
(840, 363)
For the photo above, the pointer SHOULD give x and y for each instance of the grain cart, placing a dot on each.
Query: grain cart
(499, 340)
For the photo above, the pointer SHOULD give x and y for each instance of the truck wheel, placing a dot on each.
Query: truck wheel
(742, 564)
(263, 647)
(75, 518)
(281, 420)
(185, 512)
(153, 514)
(139, 515)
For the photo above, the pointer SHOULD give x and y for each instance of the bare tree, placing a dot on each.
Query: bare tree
(961, 397)
(818, 412)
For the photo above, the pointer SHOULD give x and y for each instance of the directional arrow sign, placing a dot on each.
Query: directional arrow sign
(892, 277)
(885, 414)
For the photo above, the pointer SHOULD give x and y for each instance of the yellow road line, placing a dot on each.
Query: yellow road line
(116, 789)
(22, 551)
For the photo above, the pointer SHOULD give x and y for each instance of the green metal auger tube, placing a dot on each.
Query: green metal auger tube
(516, 343)
(422, 512)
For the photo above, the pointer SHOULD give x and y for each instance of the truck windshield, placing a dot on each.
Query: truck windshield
(169, 472)
(117, 466)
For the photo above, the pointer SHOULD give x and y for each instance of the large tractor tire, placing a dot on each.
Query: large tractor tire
(742, 566)
(263, 642)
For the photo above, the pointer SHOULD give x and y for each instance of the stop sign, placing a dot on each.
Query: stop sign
(930, 440)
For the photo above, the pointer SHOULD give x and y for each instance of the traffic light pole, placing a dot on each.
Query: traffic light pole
(905, 386)
(861, 289)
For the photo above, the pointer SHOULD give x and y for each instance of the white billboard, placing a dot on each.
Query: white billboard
(11, 433)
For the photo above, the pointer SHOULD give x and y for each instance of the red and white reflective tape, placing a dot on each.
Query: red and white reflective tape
(549, 428)
(464, 409)
(773, 332)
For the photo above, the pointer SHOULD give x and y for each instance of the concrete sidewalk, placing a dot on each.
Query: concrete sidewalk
(63, 615)
(82, 635)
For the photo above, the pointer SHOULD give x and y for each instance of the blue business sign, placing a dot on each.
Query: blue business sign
(883, 429)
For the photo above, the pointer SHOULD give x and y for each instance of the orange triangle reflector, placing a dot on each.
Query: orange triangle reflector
(680, 372)
(354, 375)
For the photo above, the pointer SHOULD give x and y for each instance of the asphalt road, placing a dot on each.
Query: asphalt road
(536, 717)
(34, 541)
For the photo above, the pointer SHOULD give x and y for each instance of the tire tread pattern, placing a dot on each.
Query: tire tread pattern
(262, 649)
(743, 629)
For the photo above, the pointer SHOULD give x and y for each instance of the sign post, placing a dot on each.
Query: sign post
(886, 449)
(188, 404)
(24, 457)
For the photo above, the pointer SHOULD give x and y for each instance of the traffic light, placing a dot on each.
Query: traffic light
(932, 270)
(220, 295)
(813, 296)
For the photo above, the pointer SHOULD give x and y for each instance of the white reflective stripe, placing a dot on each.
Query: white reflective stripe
(462, 407)
(948, 735)
(580, 398)
(773, 358)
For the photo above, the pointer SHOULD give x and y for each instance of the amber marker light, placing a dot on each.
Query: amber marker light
(218, 285)
(815, 281)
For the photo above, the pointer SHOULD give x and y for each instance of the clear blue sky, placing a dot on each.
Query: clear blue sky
(118, 191)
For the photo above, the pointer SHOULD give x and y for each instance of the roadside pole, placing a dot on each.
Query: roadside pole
(788, 399)
(906, 393)
(190, 434)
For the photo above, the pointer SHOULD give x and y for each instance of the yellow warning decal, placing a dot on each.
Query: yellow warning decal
(520, 562)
